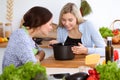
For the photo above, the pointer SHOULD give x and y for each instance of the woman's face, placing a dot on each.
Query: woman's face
(44, 29)
(69, 21)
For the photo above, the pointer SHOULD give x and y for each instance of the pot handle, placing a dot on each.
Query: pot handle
(51, 45)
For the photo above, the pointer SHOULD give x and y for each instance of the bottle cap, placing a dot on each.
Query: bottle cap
(109, 38)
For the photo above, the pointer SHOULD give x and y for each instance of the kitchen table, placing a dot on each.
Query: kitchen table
(78, 61)
(45, 44)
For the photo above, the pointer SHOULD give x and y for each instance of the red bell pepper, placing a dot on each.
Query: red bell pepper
(116, 55)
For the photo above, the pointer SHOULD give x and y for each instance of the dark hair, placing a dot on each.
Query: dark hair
(36, 17)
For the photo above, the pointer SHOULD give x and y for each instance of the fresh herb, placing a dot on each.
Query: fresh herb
(109, 71)
(28, 71)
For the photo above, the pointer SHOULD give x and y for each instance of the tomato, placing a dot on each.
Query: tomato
(98, 76)
(92, 72)
(92, 77)
(115, 32)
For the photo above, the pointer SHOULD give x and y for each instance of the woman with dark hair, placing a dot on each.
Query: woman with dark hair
(21, 48)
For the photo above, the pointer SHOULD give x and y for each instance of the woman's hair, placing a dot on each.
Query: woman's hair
(36, 17)
(73, 9)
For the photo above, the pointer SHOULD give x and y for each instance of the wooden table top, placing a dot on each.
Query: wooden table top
(3, 44)
(78, 61)
(45, 45)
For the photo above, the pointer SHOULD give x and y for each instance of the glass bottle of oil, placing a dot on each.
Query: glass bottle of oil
(109, 50)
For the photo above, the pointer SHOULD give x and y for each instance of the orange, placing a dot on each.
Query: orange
(1, 40)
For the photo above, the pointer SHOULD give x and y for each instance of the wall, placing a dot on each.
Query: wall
(104, 11)
(2, 10)
(21, 6)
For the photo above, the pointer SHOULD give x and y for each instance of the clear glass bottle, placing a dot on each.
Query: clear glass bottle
(7, 29)
(109, 50)
(1, 29)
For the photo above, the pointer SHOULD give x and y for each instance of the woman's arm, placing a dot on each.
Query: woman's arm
(40, 55)
(98, 41)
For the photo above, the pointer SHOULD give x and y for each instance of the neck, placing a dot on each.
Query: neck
(31, 32)
(75, 33)
(74, 30)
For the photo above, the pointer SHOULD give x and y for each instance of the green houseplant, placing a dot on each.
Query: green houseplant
(85, 8)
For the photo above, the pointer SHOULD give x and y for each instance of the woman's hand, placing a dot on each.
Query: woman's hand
(80, 49)
(37, 57)
(40, 55)
(53, 42)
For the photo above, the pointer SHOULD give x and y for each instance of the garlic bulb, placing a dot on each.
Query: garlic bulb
(9, 14)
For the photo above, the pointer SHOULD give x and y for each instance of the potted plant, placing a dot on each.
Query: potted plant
(85, 8)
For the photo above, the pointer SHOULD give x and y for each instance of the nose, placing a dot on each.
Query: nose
(66, 23)
(51, 28)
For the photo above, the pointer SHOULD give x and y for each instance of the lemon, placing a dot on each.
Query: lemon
(5, 39)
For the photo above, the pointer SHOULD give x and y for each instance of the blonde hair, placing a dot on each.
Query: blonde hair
(73, 9)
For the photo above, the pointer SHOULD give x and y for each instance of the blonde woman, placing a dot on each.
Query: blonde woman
(74, 30)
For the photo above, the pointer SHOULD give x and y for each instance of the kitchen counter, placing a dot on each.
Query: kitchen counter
(45, 44)
(3, 44)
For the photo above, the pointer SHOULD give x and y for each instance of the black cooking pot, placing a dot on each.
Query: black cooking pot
(38, 40)
(62, 52)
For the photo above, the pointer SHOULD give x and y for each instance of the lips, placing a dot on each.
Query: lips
(68, 28)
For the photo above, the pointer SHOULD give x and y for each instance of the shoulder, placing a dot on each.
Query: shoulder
(19, 36)
(86, 24)
(18, 33)
(61, 29)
